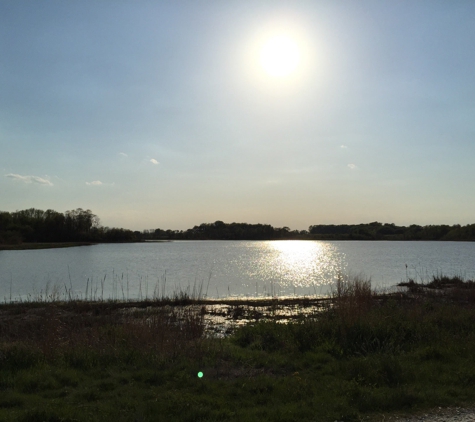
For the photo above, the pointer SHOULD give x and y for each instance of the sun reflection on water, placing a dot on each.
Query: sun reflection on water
(298, 264)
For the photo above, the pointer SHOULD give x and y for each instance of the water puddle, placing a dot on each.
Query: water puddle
(222, 317)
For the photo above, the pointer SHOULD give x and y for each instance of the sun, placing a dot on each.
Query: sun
(280, 56)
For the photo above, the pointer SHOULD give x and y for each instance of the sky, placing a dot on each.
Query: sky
(166, 114)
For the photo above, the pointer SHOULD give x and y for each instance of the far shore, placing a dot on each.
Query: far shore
(53, 245)
(26, 246)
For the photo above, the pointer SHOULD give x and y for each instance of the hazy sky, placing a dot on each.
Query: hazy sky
(161, 113)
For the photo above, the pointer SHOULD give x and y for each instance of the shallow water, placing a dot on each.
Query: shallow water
(217, 269)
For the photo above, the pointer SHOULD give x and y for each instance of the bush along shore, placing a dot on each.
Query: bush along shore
(359, 356)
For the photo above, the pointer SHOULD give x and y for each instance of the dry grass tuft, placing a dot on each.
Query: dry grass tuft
(352, 296)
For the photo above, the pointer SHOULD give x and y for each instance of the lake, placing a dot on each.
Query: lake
(217, 269)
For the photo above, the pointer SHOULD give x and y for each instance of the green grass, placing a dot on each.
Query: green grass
(364, 356)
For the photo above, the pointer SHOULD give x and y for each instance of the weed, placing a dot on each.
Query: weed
(363, 353)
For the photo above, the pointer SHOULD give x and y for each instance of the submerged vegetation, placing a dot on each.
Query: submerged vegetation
(49, 227)
(361, 355)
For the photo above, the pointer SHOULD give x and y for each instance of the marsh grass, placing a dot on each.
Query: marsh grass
(452, 288)
(115, 288)
(364, 355)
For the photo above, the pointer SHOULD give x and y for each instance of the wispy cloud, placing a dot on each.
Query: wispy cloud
(270, 182)
(123, 154)
(343, 147)
(95, 183)
(29, 179)
(352, 166)
(153, 161)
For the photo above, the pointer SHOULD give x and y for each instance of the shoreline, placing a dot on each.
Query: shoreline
(59, 245)
(44, 245)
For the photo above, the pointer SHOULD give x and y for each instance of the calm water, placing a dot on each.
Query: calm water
(224, 268)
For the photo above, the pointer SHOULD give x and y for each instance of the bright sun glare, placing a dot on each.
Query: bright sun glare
(279, 56)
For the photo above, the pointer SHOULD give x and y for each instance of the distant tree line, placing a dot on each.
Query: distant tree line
(80, 225)
(77, 225)
(224, 231)
(380, 231)
(370, 231)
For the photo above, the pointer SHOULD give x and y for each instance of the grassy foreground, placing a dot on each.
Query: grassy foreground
(362, 357)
